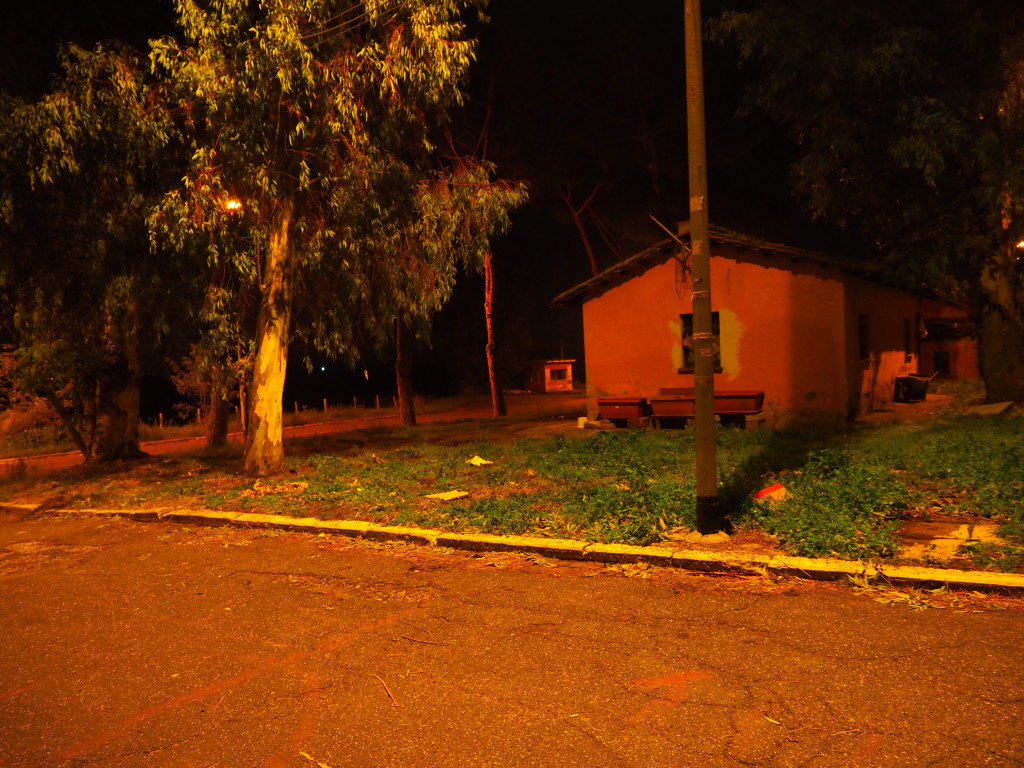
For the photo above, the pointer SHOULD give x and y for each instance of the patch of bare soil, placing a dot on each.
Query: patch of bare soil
(448, 433)
(929, 408)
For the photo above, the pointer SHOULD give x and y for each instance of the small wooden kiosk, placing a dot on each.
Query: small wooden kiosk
(550, 376)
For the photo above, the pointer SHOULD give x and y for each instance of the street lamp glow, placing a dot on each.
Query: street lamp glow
(233, 204)
(1020, 244)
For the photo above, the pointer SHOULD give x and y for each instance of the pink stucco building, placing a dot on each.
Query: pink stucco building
(816, 333)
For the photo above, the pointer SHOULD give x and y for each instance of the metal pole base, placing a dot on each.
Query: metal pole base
(710, 518)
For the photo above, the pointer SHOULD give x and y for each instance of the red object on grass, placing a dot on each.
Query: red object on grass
(771, 491)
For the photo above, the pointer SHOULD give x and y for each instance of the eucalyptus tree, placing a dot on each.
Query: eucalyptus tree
(909, 118)
(315, 116)
(487, 201)
(443, 216)
(80, 291)
(463, 209)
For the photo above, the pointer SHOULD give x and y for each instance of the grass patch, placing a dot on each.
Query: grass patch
(848, 487)
(843, 502)
(992, 556)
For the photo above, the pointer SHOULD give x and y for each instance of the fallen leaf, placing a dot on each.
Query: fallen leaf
(261, 488)
(537, 559)
(313, 760)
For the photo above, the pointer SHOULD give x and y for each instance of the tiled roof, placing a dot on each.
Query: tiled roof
(664, 250)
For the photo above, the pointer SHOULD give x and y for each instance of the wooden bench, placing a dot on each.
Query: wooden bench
(622, 410)
(739, 407)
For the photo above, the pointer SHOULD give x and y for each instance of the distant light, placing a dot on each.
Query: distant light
(323, 368)
(1020, 244)
(233, 204)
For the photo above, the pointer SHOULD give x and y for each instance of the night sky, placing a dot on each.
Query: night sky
(579, 97)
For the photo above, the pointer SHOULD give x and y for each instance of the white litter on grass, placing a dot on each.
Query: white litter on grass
(476, 461)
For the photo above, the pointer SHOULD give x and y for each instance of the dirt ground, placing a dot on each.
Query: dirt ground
(529, 414)
(928, 408)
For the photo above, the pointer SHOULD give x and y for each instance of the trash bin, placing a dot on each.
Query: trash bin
(911, 388)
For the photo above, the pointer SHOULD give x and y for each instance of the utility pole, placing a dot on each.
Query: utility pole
(709, 516)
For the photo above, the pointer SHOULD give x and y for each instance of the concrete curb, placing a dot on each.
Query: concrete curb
(702, 561)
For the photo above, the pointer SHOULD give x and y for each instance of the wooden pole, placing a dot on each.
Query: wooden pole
(709, 516)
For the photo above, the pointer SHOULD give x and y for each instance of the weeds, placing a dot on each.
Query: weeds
(990, 555)
(842, 503)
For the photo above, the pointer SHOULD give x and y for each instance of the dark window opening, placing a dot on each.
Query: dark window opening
(863, 337)
(559, 374)
(689, 358)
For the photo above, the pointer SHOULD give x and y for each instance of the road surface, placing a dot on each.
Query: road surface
(128, 644)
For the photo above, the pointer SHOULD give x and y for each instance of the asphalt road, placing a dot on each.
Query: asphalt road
(127, 644)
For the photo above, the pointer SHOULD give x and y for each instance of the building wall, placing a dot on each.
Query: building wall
(877, 343)
(781, 332)
(960, 356)
(788, 327)
(895, 348)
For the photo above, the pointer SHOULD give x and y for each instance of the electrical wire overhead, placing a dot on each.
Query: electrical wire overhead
(344, 22)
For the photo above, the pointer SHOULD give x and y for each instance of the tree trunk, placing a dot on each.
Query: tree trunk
(403, 374)
(264, 442)
(581, 227)
(219, 408)
(69, 424)
(117, 419)
(117, 400)
(1002, 332)
(243, 407)
(244, 371)
(497, 394)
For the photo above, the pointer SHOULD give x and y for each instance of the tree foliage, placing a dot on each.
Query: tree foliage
(317, 117)
(80, 289)
(909, 119)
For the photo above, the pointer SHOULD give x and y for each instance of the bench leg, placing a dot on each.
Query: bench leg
(754, 420)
